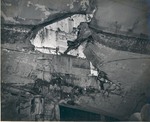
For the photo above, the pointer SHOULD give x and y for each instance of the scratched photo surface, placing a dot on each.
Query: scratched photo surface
(75, 60)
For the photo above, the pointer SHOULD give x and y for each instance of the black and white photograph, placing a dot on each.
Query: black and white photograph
(75, 60)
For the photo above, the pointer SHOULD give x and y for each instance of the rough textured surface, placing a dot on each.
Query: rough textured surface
(28, 17)
(125, 43)
(27, 66)
(21, 66)
(114, 16)
(130, 69)
(34, 12)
